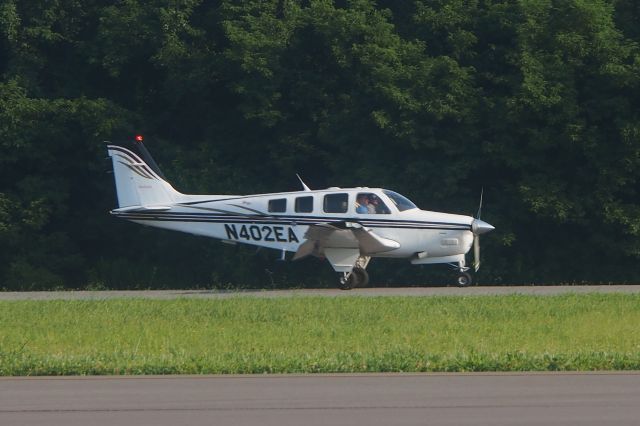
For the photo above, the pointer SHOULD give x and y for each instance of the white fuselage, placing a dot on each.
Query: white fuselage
(281, 220)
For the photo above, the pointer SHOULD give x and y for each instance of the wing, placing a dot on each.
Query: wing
(343, 235)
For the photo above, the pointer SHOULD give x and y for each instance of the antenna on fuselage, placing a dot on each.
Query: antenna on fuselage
(304, 185)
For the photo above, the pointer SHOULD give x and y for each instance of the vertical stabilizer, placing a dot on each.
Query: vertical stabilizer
(139, 181)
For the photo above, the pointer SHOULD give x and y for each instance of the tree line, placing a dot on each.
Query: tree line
(536, 101)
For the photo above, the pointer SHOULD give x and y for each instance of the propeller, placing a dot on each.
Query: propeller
(478, 227)
(476, 253)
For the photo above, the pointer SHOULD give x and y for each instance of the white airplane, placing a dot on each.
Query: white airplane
(347, 226)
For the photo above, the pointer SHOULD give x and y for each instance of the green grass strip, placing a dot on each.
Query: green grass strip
(320, 335)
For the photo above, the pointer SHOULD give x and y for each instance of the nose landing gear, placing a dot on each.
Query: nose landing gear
(464, 279)
(463, 274)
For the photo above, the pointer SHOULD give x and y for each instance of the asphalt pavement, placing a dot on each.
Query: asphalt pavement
(374, 399)
(364, 292)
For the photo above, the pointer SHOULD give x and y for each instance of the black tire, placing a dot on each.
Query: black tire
(344, 286)
(464, 279)
(362, 277)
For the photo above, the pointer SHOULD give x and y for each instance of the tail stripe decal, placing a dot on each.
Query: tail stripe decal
(135, 170)
(132, 156)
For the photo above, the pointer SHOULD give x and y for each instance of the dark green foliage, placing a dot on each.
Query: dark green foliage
(538, 102)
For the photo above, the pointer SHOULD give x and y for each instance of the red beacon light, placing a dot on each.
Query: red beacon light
(139, 138)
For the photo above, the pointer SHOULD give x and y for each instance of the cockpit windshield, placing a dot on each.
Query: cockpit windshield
(400, 201)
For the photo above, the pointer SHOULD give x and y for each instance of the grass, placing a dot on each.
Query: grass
(314, 334)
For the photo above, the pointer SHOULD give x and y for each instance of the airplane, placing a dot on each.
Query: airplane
(347, 226)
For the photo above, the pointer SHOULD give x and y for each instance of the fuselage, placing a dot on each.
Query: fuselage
(281, 220)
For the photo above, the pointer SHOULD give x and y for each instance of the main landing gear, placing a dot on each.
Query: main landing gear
(358, 276)
(463, 274)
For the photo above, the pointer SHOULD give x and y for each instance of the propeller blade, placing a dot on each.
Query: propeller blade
(480, 207)
(476, 253)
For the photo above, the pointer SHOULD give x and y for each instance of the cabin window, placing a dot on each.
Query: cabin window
(278, 206)
(304, 204)
(370, 203)
(336, 203)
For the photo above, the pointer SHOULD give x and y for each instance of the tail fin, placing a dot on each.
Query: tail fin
(139, 181)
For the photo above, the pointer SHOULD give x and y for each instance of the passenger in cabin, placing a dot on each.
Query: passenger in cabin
(362, 203)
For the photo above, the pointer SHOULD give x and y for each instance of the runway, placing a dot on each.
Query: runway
(363, 292)
(375, 399)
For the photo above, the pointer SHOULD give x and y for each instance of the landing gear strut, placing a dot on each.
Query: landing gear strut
(357, 277)
(463, 276)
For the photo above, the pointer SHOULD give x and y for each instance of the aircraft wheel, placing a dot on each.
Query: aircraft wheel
(464, 279)
(362, 277)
